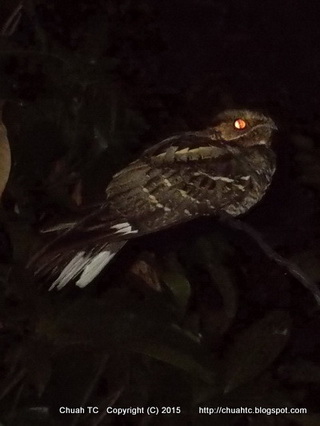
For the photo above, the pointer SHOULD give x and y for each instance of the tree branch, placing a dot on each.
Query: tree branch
(291, 267)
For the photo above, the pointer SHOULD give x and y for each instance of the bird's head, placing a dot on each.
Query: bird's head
(244, 128)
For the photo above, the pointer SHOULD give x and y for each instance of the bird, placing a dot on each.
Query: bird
(224, 169)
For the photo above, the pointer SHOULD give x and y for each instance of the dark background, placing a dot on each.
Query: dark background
(198, 315)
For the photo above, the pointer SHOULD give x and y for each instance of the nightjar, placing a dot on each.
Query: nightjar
(225, 168)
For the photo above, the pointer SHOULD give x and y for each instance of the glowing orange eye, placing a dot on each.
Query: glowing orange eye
(240, 124)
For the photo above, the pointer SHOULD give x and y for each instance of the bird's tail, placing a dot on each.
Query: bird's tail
(62, 261)
(82, 265)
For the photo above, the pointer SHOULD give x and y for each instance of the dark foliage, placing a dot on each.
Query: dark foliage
(197, 316)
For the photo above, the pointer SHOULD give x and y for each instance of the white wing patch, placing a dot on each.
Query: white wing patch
(124, 228)
(223, 179)
(121, 225)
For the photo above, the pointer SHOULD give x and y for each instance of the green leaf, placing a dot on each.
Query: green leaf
(177, 357)
(213, 254)
(124, 323)
(174, 277)
(256, 348)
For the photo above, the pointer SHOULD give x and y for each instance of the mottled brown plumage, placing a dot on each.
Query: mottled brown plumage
(224, 169)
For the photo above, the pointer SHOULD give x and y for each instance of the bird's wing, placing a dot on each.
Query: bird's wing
(190, 140)
(177, 180)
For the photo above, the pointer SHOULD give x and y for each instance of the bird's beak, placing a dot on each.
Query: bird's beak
(273, 125)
